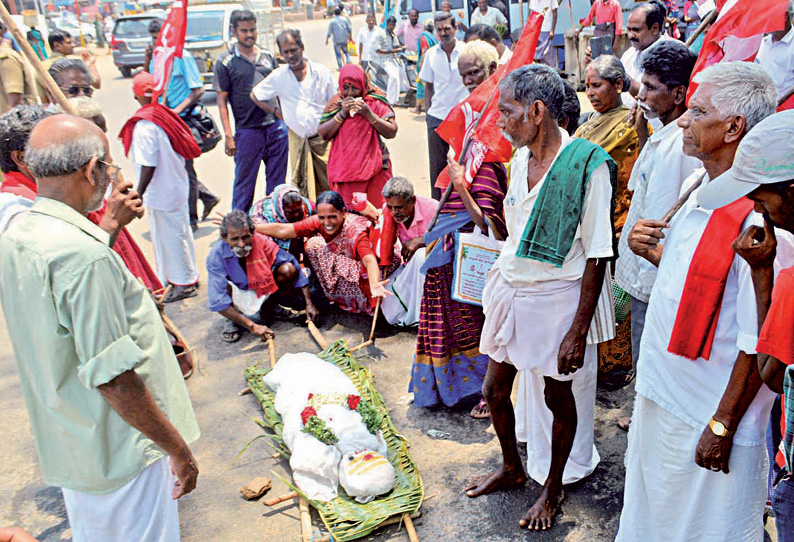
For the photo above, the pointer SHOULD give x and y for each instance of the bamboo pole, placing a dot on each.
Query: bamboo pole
(371, 330)
(34, 61)
(277, 500)
(409, 527)
(394, 520)
(306, 520)
(710, 18)
(271, 347)
(317, 335)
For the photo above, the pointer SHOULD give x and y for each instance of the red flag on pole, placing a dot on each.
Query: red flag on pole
(170, 44)
(488, 144)
(737, 32)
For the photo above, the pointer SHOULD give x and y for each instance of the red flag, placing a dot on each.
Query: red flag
(170, 44)
(737, 32)
(488, 144)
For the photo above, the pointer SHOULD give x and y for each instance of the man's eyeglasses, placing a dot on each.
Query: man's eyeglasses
(113, 170)
(74, 91)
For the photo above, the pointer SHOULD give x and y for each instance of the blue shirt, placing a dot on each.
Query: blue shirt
(224, 266)
(185, 76)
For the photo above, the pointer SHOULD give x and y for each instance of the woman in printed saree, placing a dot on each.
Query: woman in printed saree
(284, 205)
(354, 121)
(609, 128)
(448, 365)
(340, 253)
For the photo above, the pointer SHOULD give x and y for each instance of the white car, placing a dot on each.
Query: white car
(89, 32)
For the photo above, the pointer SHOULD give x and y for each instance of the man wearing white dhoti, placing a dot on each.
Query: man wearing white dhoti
(696, 464)
(108, 406)
(151, 140)
(543, 291)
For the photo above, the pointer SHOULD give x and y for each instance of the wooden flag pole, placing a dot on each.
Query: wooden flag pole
(34, 60)
(710, 18)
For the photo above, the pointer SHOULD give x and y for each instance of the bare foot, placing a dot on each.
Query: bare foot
(496, 481)
(541, 516)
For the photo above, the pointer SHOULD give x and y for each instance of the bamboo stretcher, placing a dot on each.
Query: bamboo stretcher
(344, 518)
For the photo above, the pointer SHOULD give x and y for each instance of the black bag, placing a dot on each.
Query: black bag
(203, 127)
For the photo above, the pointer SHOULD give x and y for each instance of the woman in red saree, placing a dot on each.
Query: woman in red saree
(340, 253)
(355, 121)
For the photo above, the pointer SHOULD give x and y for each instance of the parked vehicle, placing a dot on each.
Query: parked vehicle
(380, 78)
(129, 40)
(73, 28)
(209, 35)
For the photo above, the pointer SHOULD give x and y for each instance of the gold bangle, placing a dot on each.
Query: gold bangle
(337, 119)
(372, 122)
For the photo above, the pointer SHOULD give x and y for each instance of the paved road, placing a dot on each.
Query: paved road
(215, 511)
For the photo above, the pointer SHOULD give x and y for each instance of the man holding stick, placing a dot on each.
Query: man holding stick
(537, 270)
(98, 372)
(701, 414)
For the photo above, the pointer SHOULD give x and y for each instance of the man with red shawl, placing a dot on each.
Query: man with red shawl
(355, 120)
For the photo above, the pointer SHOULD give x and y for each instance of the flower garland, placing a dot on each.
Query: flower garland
(317, 427)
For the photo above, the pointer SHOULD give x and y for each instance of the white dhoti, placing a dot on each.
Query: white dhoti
(141, 510)
(669, 498)
(407, 284)
(525, 327)
(398, 81)
(174, 252)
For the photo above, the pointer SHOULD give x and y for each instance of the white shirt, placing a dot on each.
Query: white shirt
(545, 7)
(168, 189)
(12, 208)
(593, 238)
(448, 89)
(631, 61)
(492, 17)
(691, 390)
(302, 102)
(367, 40)
(778, 60)
(506, 56)
(656, 180)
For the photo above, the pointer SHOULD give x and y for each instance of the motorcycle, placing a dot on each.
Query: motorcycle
(380, 78)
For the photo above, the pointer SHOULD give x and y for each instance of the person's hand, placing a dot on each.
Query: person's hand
(571, 355)
(644, 237)
(713, 452)
(551, 34)
(312, 313)
(263, 332)
(378, 288)
(185, 468)
(638, 120)
(348, 105)
(363, 109)
(88, 58)
(456, 173)
(15, 534)
(124, 205)
(231, 146)
(217, 218)
(757, 246)
(411, 246)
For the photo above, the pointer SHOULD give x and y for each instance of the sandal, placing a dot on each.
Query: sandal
(480, 411)
(231, 333)
(624, 423)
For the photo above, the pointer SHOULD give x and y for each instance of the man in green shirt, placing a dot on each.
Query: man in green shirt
(108, 407)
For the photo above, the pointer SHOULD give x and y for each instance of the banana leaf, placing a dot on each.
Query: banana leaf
(345, 518)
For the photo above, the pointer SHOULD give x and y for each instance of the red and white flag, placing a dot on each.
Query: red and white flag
(487, 144)
(737, 32)
(170, 44)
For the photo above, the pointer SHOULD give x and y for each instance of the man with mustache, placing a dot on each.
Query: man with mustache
(696, 463)
(660, 170)
(247, 272)
(302, 88)
(259, 137)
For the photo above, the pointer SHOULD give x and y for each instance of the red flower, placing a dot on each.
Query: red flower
(353, 401)
(310, 396)
(307, 413)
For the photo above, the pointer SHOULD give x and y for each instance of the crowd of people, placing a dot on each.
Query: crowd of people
(649, 240)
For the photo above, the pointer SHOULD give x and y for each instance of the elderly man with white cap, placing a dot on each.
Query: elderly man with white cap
(696, 463)
(763, 171)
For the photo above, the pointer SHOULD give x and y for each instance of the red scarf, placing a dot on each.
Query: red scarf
(259, 265)
(699, 308)
(777, 333)
(383, 237)
(175, 128)
(18, 184)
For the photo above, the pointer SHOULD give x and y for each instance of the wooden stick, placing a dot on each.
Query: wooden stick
(317, 335)
(682, 200)
(306, 519)
(166, 291)
(409, 527)
(390, 521)
(34, 60)
(271, 347)
(273, 501)
(245, 391)
(710, 18)
(374, 319)
(785, 96)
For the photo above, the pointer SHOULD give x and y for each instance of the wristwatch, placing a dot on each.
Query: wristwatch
(719, 429)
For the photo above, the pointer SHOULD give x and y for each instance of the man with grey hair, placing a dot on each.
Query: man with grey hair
(98, 373)
(696, 464)
(541, 295)
(411, 214)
